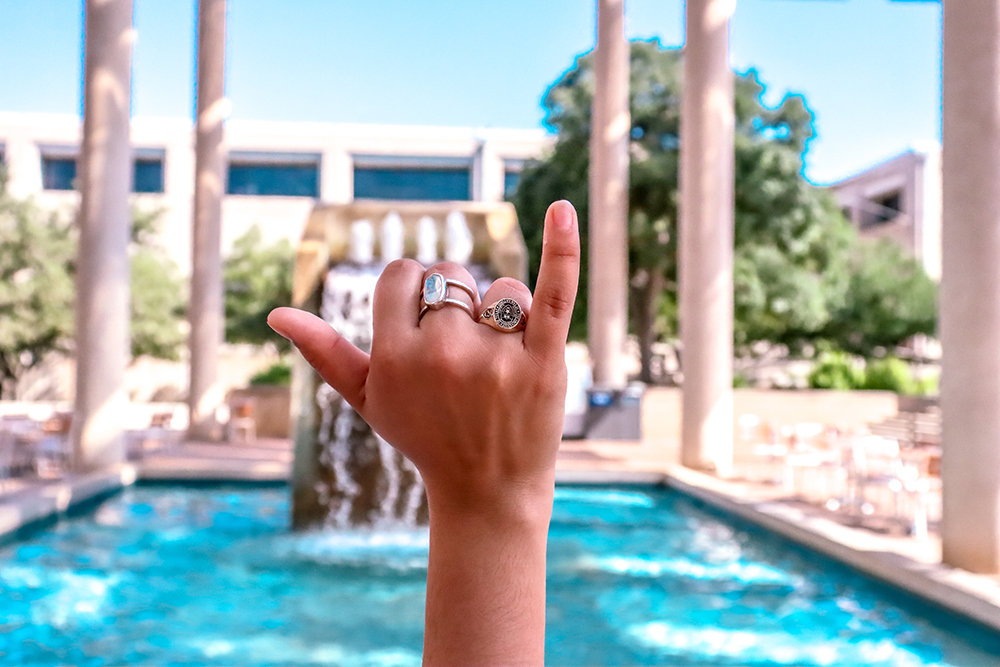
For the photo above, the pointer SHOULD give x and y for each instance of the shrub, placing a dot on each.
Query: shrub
(890, 374)
(836, 370)
(279, 374)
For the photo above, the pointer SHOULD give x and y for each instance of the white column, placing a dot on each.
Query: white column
(336, 176)
(205, 312)
(970, 286)
(487, 174)
(102, 270)
(607, 316)
(706, 238)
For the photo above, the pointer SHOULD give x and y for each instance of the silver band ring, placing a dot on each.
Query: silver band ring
(434, 294)
(505, 315)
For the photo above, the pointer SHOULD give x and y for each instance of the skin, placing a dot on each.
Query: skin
(480, 413)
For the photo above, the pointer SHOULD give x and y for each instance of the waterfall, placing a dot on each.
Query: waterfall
(364, 479)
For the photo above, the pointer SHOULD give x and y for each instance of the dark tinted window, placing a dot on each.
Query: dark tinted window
(415, 183)
(510, 181)
(273, 175)
(58, 173)
(147, 175)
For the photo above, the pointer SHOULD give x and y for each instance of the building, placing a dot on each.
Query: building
(899, 199)
(276, 171)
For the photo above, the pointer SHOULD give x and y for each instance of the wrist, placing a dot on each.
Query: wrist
(521, 504)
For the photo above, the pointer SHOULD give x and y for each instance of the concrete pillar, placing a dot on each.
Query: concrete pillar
(706, 238)
(102, 270)
(607, 317)
(336, 176)
(487, 174)
(205, 312)
(970, 286)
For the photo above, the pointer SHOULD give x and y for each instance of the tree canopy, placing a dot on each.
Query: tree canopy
(792, 244)
(37, 265)
(258, 279)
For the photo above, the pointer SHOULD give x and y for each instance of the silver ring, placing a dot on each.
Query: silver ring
(505, 315)
(434, 294)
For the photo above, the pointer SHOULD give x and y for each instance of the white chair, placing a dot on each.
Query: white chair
(761, 439)
(877, 464)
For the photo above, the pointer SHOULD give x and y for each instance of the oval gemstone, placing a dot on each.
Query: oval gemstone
(435, 289)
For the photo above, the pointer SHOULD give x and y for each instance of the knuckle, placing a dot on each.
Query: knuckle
(509, 284)
(559, 301)
(446, 268)
(400, 267)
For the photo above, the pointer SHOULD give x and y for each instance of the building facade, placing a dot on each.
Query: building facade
(276, 171)
(899, 199)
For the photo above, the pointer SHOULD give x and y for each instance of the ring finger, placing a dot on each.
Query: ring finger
(503, 316)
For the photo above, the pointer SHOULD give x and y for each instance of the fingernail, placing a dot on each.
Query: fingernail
(282, 332)
(562, 215)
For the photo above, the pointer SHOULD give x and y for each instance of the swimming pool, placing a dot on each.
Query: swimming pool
(195, 576)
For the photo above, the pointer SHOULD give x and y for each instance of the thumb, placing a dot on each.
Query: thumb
(337, 361)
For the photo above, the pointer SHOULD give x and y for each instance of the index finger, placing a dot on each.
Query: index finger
(555, 289)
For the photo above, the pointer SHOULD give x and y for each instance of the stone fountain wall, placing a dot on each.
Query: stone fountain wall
(344, 474)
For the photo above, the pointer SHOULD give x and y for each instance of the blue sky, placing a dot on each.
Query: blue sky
(870, 69)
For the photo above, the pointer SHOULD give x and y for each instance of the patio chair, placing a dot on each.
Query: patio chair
(761, 439)
(51, 450)
(877, 464)
(242, 424)
(18, 435)
(817, 454)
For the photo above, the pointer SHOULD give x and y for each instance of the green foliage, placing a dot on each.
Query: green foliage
(37, 251)
(37, 264)
(928, 385)
(257, 279)
(889, 299)
(836, 370)
(791, 240)
(890, 374)
(157, 305)
(279, 374)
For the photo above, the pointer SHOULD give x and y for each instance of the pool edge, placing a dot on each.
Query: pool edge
(950, 588)
(41, 505)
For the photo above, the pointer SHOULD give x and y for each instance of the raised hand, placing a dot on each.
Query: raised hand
(480, 413)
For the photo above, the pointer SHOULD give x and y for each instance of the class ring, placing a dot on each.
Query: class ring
(505, 315)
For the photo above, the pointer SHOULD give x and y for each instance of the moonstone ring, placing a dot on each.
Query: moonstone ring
(505, 315)
(434, 295)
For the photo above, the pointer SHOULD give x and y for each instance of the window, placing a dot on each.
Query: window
(510, 181)
(412, 178)
(59, 169)
(58, 172)
(882, 208)
(147, 170)
(273, 174)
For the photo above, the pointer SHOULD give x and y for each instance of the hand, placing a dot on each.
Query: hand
(480, 413)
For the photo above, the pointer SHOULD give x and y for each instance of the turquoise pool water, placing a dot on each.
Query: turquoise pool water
(211, 576)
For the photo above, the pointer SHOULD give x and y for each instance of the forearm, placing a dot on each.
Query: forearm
(486, 586)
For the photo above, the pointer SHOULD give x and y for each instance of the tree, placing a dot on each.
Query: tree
(37, 251)
(257, 279)
(890, 299)
(37, 262)
(785, 227)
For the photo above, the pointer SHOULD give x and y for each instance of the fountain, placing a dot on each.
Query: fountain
(344, 474)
